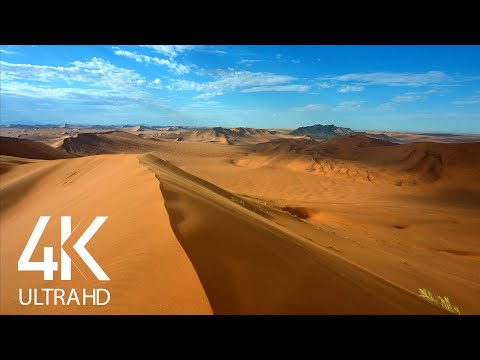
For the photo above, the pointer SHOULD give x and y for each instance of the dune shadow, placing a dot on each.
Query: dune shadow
(455, 197)
(460, 252)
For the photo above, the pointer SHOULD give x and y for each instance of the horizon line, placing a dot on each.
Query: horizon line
(89, 125)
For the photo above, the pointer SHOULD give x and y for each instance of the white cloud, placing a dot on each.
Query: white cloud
(342, 106)
(94, 82)
(215, 51)
(324, 85)
(392, 78)
(98, 72)
(349, 105)
(470, 100)
(208, 95)
(131, 55)
(437, 89)
(406, 98)
(286, 59)
(170, 64)
(351, 88)
(7, 52)
(310, 107)
(78, 95)
(249, 62)
(208, 104)
(389, 105)
(156, 84)
(170, 50)
(293, 87)
(231, 80)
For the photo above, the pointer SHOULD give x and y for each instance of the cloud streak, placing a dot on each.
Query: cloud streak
(324, 85)
(98, 72)
(342, 106)
(94, 82)
(406, 98)
(293, 87)
(74, 95)
(310, 107)
(170, 64)
(208, 95)
(249, 62)
(391, 78)
(475, 99)
(233, 80)
(351, 88)
(170, 50)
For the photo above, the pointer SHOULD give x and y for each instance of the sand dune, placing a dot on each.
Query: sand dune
(30, 149)
(232, 132)
(414, 236)
(9, 162)
(57, 143)
(230, 136)
(113, 142)
(361, 158)
(149, 271)
(138, 128)
(246, 263)
(348, 225)
(48, 135)
(249, 265)
(430, 137)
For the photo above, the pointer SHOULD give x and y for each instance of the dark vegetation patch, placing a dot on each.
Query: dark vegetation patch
(300, 212)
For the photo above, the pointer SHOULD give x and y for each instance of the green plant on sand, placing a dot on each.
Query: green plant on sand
(442, 301)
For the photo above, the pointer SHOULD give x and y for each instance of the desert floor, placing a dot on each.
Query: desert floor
(268, 225)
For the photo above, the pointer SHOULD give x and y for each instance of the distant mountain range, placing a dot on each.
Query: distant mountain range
(323, 132)
(56, 126)
(233, 132)
(318, 131)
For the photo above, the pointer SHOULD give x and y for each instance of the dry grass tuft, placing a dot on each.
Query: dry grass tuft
(442, 301)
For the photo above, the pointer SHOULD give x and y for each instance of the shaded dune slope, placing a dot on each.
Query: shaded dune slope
(112, 142)
(28, 149)
(228, 136)
(250, 265)
(9, 162)
(371, 160)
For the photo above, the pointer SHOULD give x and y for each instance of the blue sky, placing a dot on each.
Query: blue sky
(405, 88)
